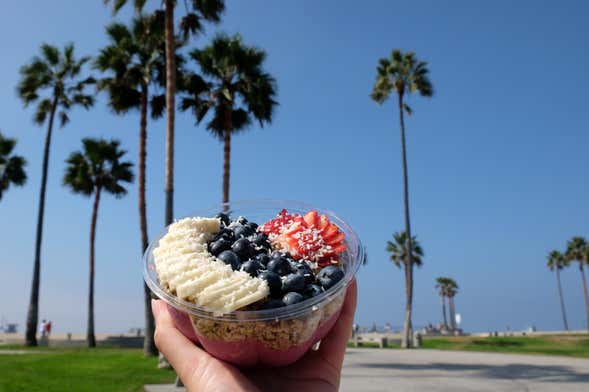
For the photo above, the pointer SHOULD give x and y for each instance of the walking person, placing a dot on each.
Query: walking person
(43, 331)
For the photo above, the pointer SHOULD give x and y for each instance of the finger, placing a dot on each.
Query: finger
(178, 349)
(333, 346)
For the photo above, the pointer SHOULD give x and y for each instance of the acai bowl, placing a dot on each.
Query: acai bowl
(254, 283)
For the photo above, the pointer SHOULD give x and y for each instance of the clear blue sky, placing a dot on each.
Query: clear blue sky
(497, 159)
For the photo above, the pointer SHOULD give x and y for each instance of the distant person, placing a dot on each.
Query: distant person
(43, 329)
(48, 328)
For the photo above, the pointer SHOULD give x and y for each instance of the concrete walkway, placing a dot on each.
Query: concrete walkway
(372, 370)
(20, 352)
(431, 370)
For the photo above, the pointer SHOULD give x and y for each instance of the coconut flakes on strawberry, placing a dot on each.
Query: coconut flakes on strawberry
(311, 237)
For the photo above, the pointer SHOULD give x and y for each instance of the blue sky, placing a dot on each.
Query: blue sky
(497, 159)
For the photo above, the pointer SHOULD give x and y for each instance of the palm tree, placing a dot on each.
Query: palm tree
(451, 291)
(556, 262)
(98, 167)
(236, 89)
(12, 167)
(53, 80)
(578, 250)
(197, 12)
(134, 60)
(400, 256)
(442, 286)
(404, 74)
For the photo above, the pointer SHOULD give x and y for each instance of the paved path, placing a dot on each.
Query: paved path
(19, 352)
(373, 370)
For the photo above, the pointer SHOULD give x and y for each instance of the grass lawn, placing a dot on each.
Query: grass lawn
(79, 369)
(565, 345)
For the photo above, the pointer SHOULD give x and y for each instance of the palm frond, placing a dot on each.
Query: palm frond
(98, 165)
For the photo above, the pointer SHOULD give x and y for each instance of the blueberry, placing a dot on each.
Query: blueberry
(312, 290)
(241, 220)
(292, 298)
(279, 266)
(219, 246)
(329, 276)
(260, 239)
(242, 248)
(263, 259)
(260, 250)
(224, 218)
(272, 304)
(274, 282)
(303, 269)
(252, 267)
(229, 257)
(242, 231)
(276, 254)
(293, 282)
(225, 233)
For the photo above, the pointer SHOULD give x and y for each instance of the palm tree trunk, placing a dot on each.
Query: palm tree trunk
(585, 291)
(406, 341)
(452, 314)
(33, 311)
(444, 311)
(170, 113)
(90, 338)
(149, 348)
(170, 108)
(226, 155)
(562, 308)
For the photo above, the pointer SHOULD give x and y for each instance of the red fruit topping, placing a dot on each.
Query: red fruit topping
(274, 227)
(311, 237)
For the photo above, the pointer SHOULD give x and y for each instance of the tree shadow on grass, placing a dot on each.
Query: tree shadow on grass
(548, 373)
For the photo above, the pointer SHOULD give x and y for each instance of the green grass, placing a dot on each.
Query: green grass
(79, 369)
(564, 345)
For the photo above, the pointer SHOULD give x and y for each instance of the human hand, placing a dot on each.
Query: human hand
(199, 371)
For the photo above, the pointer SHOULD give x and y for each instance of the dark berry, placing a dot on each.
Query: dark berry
(293, 282)
(219, 246)
(272, 303)
(279, 266)
(292, 298)
(260, 250)
(263, 259)
(273, 280)
(303, 269)
(252, 267)
(329, 276)
(312, 290)
(229, 257)
(253, 225)
(276, 254)
(242, 231)
(241, 220)
(224, 218)
(260, 239)
(242, 248)
(225, 233)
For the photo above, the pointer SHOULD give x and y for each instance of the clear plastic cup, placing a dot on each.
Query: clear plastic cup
(270, 337)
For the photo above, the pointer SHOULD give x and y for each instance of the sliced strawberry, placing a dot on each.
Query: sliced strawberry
(338, 238)
(324, 222)
(312, 237)
(339, 248)
(311, 218)
(330, 231)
